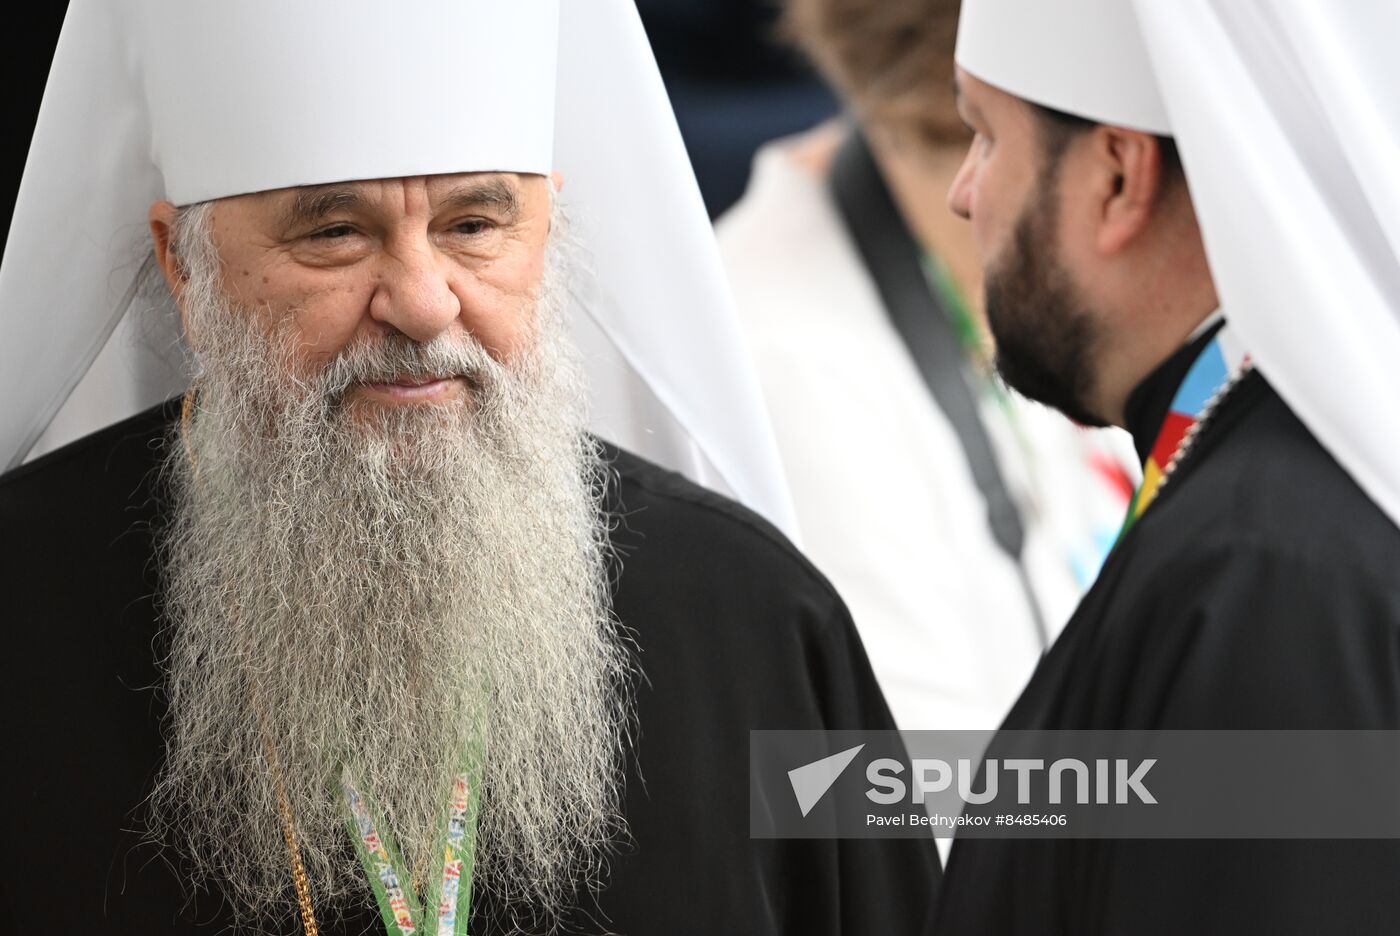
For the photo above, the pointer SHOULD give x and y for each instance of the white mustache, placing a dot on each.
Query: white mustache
(393, 357)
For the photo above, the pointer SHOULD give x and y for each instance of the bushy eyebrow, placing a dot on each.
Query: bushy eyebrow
(310, 206)
(313, 204)
(491, 192)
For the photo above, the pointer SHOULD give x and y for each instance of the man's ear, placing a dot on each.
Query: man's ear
(1133, 165)
(162, 223)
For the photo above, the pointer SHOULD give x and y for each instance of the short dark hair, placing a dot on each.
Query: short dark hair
(1059, 129)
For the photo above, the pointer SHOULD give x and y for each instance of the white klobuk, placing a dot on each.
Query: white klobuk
(203, 99)
(1083, 57)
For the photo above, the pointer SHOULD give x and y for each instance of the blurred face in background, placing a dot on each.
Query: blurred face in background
(892, 61)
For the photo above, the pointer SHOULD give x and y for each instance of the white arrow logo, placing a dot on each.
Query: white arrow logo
(811, 781)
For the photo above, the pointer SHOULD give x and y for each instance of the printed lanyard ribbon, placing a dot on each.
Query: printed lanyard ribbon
(388, 876)
(1212, 370)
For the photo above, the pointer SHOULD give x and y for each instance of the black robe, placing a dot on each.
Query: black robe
(735, 630)
(1260, 591)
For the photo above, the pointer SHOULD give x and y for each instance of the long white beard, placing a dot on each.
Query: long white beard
(361, 588)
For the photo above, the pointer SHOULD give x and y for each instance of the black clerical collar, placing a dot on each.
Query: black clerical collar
(1149, 402)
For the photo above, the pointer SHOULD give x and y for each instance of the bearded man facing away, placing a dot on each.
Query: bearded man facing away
(369, 632)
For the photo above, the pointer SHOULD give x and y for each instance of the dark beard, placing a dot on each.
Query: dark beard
(1043, 331)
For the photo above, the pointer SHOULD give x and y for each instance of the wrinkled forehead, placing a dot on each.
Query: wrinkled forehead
(506, 190)
(503, 194)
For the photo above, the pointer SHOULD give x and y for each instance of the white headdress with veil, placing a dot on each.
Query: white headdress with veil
(204, 99)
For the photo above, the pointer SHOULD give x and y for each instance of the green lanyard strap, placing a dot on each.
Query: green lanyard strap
(450, 891)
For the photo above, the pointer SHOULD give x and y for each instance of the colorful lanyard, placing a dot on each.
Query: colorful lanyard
(965, 325)
(391, 882)
(1213, 371)
(973, 340)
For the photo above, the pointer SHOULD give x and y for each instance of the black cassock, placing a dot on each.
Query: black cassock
(735, 631)
(1260, 591)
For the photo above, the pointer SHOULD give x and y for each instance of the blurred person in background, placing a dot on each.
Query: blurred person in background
(960, 522)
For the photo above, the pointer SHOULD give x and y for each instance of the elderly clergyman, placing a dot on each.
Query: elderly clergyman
(364, 631)
(1188, 215)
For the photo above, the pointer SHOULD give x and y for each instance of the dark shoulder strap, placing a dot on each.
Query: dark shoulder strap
(895, 261)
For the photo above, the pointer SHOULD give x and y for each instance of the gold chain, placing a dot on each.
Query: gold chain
(1188, 441)
(308, 913)
(289, 834)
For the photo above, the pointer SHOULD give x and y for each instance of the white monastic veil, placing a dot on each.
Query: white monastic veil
(1287, 114)
(121, 127)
